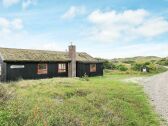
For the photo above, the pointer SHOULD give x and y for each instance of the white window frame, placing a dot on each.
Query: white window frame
(62, 68)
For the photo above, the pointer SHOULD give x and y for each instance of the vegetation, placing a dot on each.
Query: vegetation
(109, 65)
(135, 64)
(97, 101)
(121, 67)
(163, 62)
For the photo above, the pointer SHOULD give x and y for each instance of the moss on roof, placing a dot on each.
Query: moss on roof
(10, 54)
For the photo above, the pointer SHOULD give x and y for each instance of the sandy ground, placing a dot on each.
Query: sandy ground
(157, 89)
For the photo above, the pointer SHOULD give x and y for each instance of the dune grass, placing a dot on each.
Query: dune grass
(97, 101)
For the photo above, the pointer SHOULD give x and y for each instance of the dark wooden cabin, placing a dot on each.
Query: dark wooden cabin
(37, 64)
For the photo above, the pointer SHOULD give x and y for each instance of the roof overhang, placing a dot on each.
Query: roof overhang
(36, 61)
(90, 61)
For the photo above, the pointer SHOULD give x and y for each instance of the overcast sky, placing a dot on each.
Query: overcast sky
(102, 28)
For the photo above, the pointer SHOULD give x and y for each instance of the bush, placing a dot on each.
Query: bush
(129, 61)
(161, 69)
(163, 62)
(156, 68)
(152, 67)
(146, 63)
(109, 65)
(85, 77)
(122, 68)
(136, 67)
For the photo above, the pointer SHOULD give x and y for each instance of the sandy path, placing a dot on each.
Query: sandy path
(157, 89)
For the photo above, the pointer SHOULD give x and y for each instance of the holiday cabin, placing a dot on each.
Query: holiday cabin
(18, 64)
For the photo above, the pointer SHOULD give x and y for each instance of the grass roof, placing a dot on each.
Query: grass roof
(10, 54)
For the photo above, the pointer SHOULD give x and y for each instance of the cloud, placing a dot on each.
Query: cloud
(160, 49)
(113, 26)
(127, 17)
(145, 49)
(8, 3)
(4, 22)
(7, 26)
(153, 27)
(51, 46)
(27, 3)
(17, 24)
(23, 39)
(73, 12)
(13, 35)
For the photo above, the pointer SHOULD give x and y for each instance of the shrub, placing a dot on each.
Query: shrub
(136, 67)
(85, 77)
(129, 61)
(109, 65)
(122, 67)
(146, 63)
(163, 62)
(152, 67)
(156, 68)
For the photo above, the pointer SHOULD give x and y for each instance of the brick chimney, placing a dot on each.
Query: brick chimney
(72, 64)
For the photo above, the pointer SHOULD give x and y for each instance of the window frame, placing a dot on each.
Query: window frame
(63, 68)
(42, 71)
(93, 70)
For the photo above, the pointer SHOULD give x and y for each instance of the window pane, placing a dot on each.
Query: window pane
(92, 67)
(61, 67)
(42, 66)
(42, 69)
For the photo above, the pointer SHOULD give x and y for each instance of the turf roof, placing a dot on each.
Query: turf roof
(10, 54)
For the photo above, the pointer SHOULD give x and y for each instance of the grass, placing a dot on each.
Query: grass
(97, 101)
(131, 73)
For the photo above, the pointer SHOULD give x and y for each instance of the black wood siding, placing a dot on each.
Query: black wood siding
(83, 68)
(1, 74)
(3, 70)
(30, 71)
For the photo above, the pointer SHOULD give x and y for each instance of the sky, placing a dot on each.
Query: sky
(102, 28)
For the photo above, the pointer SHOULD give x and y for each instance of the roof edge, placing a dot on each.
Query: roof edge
(2, 58)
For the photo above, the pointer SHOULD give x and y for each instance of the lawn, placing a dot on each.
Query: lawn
(97, 101)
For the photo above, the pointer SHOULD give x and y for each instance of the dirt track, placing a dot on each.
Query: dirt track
(157, 89)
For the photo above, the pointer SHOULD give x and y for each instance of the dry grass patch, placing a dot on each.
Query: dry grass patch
(100, 101)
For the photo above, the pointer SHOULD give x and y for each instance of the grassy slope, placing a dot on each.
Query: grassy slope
(138, 59)
(101, 101)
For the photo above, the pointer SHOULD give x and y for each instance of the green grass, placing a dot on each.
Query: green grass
(101, 101)
(131, 73)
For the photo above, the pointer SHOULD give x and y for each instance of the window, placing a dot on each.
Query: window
(61, 68)
(42, 69)
(92, 67)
